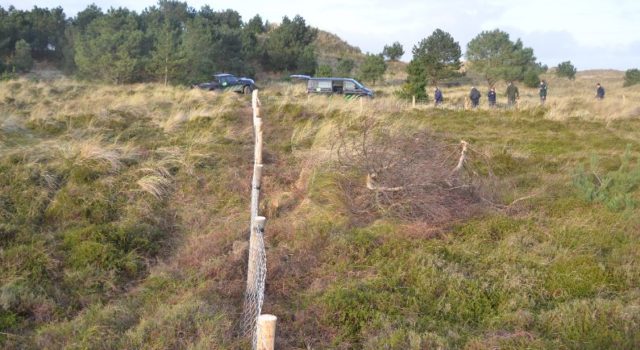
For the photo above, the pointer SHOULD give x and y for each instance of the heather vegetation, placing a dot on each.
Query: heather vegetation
(124, 212)
(124, 207)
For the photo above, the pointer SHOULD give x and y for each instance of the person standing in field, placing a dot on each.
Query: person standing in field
(599, 92)
(543, 92)
(492, 96)
(438, 96)
(513, 94)
(474, 96)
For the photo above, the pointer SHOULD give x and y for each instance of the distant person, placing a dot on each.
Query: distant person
(492, 96)
(513, 94)
(438, 96)
(474, 96)
(599, 92)
(543, 92)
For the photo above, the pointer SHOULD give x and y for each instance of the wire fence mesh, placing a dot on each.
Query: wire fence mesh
(257, 261)
(254, 294)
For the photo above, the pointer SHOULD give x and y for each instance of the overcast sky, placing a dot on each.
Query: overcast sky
(591, 33)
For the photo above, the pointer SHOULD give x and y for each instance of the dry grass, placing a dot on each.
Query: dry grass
(124, 212)
(566, 99)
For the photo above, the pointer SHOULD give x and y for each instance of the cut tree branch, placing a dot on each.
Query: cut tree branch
(371, 186)
(463, 157)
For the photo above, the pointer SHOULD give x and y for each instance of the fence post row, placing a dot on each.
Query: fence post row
(260, 328)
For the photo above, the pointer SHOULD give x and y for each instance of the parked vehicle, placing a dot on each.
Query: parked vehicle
(228, 82)
(340, 86)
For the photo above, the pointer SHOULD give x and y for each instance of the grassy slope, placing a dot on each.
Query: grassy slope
(131, 206)
(331, 49)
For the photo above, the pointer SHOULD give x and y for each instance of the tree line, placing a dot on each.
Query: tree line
(174, 43)
(491, 55)
(170, 42)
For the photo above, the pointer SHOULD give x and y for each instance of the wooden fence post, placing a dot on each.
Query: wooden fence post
(258, 147)
(413, 101)
(264, 328)
(255, 185)
(255, 105)
(266, 332)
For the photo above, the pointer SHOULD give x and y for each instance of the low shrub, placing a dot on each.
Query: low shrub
(616, 189)
(632, 77)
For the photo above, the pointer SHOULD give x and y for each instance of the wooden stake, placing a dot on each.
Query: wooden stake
(266, 334)
(255, 105)
(258, 145)
(259, 223)
(413, 102)
(255, 102)
(255, 194)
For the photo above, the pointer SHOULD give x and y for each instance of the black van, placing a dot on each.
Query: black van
(341, 86)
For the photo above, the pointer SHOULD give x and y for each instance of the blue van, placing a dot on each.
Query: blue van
(340, 86)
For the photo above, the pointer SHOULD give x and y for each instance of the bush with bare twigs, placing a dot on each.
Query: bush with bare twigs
(413, 176)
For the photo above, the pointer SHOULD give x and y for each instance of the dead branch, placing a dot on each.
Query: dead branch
(463, 157)
(506, 207)
(371, 186)
(411, 176)
(522, 199)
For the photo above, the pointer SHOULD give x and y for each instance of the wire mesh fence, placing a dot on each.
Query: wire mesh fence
(257, 271)
(257, 261)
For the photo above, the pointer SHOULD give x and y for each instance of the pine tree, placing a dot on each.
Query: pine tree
(394, 51)
(167, 59)
(439, 55)
(345, 66)
(495, 56)
(22, 60)
(110, 48)
(289, 47)
(631, 77)
(373, 68)
(566, 70)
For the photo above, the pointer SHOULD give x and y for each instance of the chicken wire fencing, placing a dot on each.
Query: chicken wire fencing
(257, 261)
(254, 294)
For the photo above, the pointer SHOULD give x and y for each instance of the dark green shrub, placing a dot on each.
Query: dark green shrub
(531, 78)
(615, 189)
(566, 70)
(84, 202)
(373, 68)
(22, 60)
(632, 77)
(324, 71)
(344, 67)
(394, 51)
(111, 246)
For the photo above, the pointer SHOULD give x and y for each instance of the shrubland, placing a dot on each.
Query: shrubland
(125, 218)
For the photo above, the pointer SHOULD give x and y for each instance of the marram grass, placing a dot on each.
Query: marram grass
(123, 212)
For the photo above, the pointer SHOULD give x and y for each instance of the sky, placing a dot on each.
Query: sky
(592, 34)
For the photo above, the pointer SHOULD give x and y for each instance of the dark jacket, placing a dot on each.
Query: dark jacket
(512, 92)
(492, 97)
(475, 95)
(438, 96)
(543, 91)
(600, 92)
